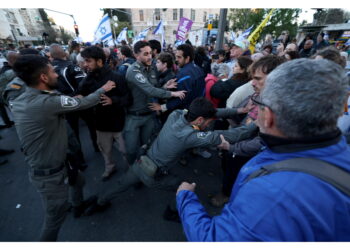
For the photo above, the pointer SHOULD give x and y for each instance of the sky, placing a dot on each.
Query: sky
(88, 19)
(87, 13)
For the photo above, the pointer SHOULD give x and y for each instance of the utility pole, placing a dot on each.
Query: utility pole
(221, 29)
(75, 23)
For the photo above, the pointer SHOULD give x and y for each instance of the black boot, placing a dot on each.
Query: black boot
(171, 215)
(79, 210)
(96, 208)
(6, 152)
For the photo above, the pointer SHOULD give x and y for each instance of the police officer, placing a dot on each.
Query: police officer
(41, 128)
(183, 130)
(142, 82)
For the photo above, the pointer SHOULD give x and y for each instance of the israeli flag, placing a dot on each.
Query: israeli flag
(103, 32)
(246, 33)
(142, 35)
(122, 35)
(347, 43)
(233, 36)
(159, 30)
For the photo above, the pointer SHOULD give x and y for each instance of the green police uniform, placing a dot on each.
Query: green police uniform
(42, 131)
(140, 123)
(176, 136)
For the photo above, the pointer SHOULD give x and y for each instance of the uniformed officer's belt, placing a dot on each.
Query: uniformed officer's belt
(46, 172)
(137, 113)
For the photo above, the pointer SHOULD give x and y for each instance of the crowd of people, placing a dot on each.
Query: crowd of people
(273, 109)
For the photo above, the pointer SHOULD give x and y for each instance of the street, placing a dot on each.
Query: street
(135, 215)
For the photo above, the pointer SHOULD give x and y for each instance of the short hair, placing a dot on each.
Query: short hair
(126, 51)
(221, 52)
(155, 44)
(28, 51)
(268, 46)
(332, 54)
(167, 58)
(244, 62)
(94, 52)
(266, 64)
(187, 51)
(57, 52)
(293, 54)
(139, 45)
(200, 107)
(30, 67)
(307, 96)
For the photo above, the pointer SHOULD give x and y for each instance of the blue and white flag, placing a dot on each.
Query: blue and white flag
(141, 36)
(245, 34)
(122, 35)
(233, 36)
(103, 32)
(159, 30)
(178, 43)
(347, 43)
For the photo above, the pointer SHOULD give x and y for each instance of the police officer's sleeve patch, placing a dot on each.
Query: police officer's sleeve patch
(139, 77)
(68, 102)
(203, 135)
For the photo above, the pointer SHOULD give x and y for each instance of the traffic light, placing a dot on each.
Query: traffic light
(76, 29)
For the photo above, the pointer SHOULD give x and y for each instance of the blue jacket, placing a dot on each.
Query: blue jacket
(192, 79)
(282, 206)
(125, 65)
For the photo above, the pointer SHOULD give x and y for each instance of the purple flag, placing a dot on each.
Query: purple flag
(184, 26)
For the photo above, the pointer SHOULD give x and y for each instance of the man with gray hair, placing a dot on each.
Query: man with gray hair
(297, 118)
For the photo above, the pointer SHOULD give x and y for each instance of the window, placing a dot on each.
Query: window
(181, 13)
(11, 17)
(204, 16)
(19, 32)
(193, 14)
(141, 15)
(174, 14)
(157, 14)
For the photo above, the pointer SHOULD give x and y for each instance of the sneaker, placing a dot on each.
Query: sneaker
(107, 174)
(79, 210)
(96, 208)
(219, 200)
(171, 215)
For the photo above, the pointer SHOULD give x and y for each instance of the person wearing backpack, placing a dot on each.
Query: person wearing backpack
(298, 187)
(126, 57)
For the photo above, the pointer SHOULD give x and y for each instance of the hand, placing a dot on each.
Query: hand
(225, 145)
(171, 84)
(109, 85)
(105, 100)
(154, 106)
(186, 186)
(246, 108)
(181, 94)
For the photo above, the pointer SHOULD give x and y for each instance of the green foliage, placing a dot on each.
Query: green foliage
(282, 19)
(65, 36)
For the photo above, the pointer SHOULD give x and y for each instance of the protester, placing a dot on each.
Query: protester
(286, 205)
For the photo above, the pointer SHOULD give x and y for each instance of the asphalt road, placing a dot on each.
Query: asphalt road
(135, 215)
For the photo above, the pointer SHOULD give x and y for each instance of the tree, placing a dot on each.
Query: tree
(51, 38)
(65, 37)
(123, 20)
(281, 19)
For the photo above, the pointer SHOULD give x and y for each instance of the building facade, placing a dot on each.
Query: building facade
(20, 26)
(144, 18)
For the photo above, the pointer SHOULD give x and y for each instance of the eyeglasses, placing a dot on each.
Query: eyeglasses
(257, 100)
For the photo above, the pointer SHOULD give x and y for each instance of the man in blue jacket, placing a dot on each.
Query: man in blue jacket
(190, 78)
(297, 118)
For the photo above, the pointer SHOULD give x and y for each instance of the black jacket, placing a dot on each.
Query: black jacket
(110, 118)
(223, 89)
(165, 76)
(69, 76)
